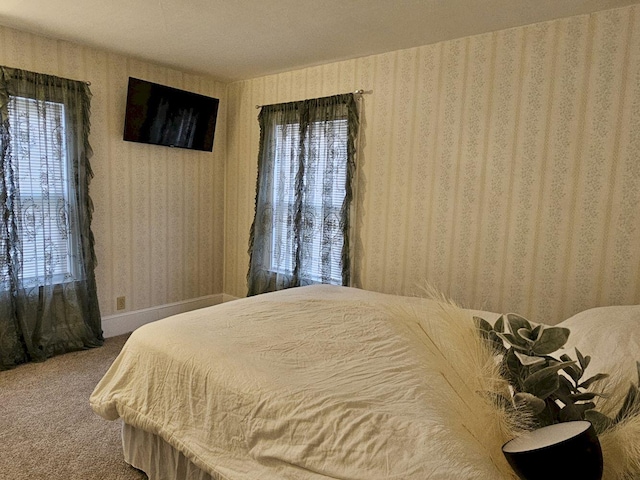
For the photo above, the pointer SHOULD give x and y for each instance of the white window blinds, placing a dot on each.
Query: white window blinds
(41, 171)
(324, 184)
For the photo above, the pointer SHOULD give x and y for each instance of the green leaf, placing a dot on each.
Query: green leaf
(535, 333)
(587, 383)
(565, 390)
(544, 382)
(569, 413)
(516, 322)
(499, 325)
(574, 372)
(530, 402)
(496, 343)
(482, 324)
(526, 335)
(513, 341)
(550, 340)
(489, 335)
(575, 411)
(528, 360)
(600, 421)
(550, 414)
(543, 387)
(631, 403)
(584, 361)
(534, 368)
(513, 370)
(580, 397)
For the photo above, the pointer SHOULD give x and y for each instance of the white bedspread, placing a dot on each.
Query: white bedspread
(307, 383)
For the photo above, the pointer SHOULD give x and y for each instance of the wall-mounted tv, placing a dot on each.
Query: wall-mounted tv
(163, 115)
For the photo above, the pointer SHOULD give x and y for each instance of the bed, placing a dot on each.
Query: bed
(318, 382)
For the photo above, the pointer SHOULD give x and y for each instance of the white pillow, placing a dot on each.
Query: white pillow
(611, 337)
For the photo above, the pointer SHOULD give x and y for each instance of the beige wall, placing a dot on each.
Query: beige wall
(502, 168)
(158, 220)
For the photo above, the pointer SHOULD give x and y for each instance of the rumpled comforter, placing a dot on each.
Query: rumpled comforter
(308, 383)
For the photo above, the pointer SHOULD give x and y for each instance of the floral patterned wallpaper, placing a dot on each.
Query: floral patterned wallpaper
(159, 217)
(504, 168)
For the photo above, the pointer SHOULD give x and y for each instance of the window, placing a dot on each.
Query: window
(300, 233)
(287, 138)
(321, 204)
(48, 293)
(41, 180)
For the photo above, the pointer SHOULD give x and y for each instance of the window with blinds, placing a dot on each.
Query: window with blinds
(324, 184)
(41, 176)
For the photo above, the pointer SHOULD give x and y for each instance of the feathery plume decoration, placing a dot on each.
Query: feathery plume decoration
(468, 367)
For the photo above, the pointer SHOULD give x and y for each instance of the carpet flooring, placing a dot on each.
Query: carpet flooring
(47, 428)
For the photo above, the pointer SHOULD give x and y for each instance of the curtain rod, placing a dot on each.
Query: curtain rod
(357, 92)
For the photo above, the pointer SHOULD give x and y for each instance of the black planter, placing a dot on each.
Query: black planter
(561, 451)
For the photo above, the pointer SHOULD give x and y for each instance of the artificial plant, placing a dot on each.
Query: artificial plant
(549, 388)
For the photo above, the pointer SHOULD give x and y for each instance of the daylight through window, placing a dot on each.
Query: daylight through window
(41, 171)
(325, 180)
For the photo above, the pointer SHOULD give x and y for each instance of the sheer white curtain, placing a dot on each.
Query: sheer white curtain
(300, 233)
(48, 298)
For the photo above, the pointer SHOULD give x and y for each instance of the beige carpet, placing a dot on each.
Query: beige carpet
(47, 428)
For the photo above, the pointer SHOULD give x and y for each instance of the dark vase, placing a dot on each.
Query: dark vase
(560, 451)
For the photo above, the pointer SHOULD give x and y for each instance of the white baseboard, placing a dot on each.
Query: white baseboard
(121, 323)
(228, 298)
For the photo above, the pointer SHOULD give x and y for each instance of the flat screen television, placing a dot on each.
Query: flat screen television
(163, 115)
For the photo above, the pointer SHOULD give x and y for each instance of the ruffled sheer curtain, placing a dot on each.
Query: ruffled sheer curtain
(48, 299)
(306, 164)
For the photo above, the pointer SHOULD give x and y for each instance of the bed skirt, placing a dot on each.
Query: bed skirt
(155, 457)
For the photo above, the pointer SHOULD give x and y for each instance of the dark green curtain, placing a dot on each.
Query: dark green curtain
(48, 299)
(306, 164)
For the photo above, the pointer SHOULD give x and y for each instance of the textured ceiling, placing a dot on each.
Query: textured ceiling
(241, 39)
